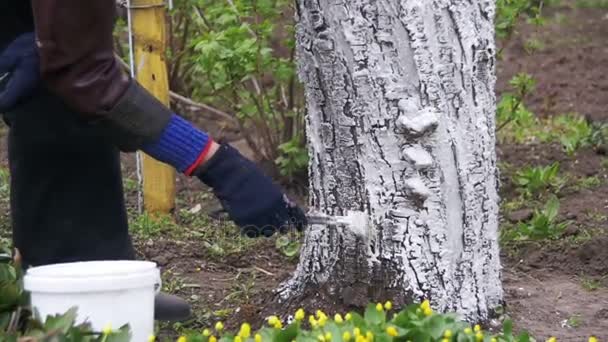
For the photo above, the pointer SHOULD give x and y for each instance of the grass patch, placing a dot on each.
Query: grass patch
(574, 321)
(589, 182)
(591, 3)
(590, 284)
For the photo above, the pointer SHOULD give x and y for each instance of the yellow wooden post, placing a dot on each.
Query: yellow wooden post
(148, 24)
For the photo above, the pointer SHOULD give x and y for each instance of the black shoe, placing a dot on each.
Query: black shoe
(170, 308)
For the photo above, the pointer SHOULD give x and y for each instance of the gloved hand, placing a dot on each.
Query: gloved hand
(19, 70)
(251, 199)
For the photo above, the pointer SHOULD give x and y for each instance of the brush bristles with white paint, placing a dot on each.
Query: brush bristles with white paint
(357, 221)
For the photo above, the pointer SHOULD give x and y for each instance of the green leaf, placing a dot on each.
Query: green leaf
(61, 323)
(288, 334)
(122, 335)
(435, 326)
(552, 208)
(374, 316)
(358, 321)
(524, 337)
(507, 330)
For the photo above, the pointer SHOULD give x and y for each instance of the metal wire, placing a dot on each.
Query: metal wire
(138, 159)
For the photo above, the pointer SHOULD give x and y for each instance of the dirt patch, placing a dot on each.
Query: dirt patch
(587, 259)
(554, 304)
(570, 64)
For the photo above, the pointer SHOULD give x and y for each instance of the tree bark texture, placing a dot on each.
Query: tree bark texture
(401, 106)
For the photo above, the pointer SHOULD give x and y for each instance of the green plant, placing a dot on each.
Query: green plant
(533, 180)
(239, 63)
(576, 132)
(543, 225)
(288, 246)
(415, 322)
(237, 57)
(533, 44)
(293, 158)
(509, 11)
(511, 108)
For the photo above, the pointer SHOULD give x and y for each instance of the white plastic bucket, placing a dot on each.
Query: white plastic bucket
(105, 293)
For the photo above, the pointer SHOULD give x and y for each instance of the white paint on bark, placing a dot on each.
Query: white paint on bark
(400, 99)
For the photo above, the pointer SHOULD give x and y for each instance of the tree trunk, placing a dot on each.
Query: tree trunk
(401, 105)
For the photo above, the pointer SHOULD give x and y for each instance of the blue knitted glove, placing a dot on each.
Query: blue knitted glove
(251, 199)
(19, 70)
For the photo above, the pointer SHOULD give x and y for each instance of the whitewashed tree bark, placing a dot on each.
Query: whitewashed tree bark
(401, 105)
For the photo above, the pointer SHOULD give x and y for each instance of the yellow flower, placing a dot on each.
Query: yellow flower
(468, 330)
(592, 339)
(445, 340)
(245, 331)
(151, 338)
(328, 336)
(258, 338)
(182, 339)
(212, 339)
(479, 336)
(477, 328)
(219, 326)
(272, 320)
(392, 331)
(321, 338)
(346, 336)
(370, 336)
(425, 304)
(388, 305)
(493, 339)
(238, 339)
(447, 333)
(338, 318)
(426, 308)
(360, 339)
(320, 313)
(300, 314)
(348, 316)
(313, 322)
(357, 332)
(107, 330)
(278, 325)
(379, 307)
(322, 321)
(552, 339)
(206, 333)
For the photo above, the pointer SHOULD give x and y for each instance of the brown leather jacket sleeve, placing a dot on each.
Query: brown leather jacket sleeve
(77, 55)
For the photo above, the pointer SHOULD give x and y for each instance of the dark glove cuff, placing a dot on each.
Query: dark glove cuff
(137, 119)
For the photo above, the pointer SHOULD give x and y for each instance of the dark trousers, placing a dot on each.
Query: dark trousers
(67, 200)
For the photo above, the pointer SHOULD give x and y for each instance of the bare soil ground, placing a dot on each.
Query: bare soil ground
(557, 288)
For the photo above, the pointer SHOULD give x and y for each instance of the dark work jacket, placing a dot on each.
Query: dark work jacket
(76, 48)
(15, 18)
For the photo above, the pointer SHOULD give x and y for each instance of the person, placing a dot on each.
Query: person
(71, 110)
